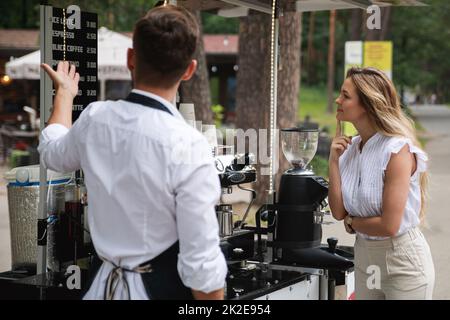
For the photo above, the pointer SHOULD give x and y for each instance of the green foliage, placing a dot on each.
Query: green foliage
(320, 166)
(19, 14)
(15, 159)
(320, 38)
(218, 110)
(213, 24)
(118, 15)
(423, 141)
(421, 39)
(214, 89)
(421, 44)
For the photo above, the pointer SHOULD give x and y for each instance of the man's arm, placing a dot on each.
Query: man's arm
(215, 295)
(57, 143)
(196, 186)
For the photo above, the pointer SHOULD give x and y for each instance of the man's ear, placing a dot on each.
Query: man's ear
(190, 71)
(131, 59)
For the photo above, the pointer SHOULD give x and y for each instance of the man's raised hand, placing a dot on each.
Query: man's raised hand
(65, 78)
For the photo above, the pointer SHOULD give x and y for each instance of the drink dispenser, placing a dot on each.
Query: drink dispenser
(23, 202)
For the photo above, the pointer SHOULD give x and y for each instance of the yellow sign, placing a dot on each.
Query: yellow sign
(378, 54)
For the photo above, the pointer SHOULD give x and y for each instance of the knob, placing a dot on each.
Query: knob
(332, 243)
(264, 215)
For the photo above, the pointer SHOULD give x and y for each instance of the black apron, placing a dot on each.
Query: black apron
(159, 275)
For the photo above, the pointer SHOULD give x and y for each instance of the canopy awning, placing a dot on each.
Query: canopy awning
(112, 59)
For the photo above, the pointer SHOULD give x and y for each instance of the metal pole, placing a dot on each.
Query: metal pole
(273, 129)
(323, 291)
(102, 89)
(46, 102)
(273, 166)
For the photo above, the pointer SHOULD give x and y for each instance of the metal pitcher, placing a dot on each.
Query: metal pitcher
(225, 217)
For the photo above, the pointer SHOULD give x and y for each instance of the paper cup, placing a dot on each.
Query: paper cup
(187, 110)
(210, 133)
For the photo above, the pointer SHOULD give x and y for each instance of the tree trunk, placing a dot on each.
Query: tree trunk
(253, 86)
(253, 82)
(110, 15)
(386, 18)
(196, 90)
(331, 62)
(310, 52)
(288, 78)
(252, 91)
(356, 24)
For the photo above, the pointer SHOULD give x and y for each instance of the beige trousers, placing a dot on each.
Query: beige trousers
(397, 268)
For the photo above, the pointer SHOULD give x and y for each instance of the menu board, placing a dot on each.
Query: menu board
(77, 44)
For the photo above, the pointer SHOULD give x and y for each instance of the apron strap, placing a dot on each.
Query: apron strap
(159, 276)
(147, 102)
(116, 276)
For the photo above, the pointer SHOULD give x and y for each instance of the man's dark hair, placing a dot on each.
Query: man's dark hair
(164, 41)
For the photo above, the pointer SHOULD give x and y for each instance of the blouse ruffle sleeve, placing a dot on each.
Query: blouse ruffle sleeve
(397, 144)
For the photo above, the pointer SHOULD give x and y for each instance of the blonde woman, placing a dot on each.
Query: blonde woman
(377, 186)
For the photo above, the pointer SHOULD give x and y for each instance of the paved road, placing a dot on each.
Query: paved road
(436, 120)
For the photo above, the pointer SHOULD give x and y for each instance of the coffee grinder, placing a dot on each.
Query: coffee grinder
(301, 195)
(295, 220)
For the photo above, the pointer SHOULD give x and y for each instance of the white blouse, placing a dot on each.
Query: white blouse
(362, 179)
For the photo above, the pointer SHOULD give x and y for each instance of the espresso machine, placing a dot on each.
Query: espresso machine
(236, 241)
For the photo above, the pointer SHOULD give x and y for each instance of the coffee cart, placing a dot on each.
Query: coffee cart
(285, 259)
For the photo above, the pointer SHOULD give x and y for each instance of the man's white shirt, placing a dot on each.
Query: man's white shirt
(151, 181)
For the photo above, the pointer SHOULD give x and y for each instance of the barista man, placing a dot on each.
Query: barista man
(151, 180)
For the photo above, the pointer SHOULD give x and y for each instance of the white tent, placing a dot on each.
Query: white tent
(112, 60)
(26, 67)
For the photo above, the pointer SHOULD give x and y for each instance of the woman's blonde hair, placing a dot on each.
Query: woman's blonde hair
(379, 98)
